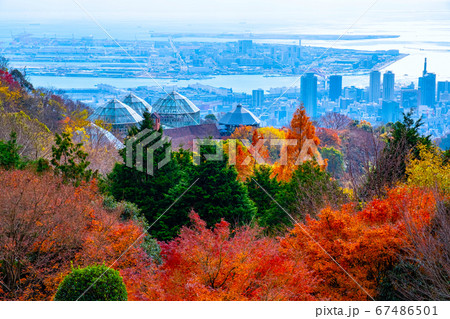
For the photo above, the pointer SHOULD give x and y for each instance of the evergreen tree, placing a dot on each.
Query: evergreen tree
(9, 153)
(148, 191)
(390, 168)
(260, 186)
(212, 190)
(22, 80)
(70, 161)
(406, 137)
(309, 191)
(335, 161)
(167, 197)
(93, 283)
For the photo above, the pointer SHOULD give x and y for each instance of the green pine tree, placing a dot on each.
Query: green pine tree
(307, 193)
(390, 168)
(70, 161)
(9, 153)
(148, 191)
(211, 190)
(260, 186)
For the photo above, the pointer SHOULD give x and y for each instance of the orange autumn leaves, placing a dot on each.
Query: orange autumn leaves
(303, 132)
(365, 243)
(59, 224)
(221, 264)
(247, 156)
(46, 225)
(296, 143)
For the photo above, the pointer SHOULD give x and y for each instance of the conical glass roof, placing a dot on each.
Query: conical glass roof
(116, 113)
(137, 104)
(239, 116)
(175, 103)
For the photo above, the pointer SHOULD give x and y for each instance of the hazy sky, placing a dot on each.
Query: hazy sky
(210, 10)
(296, 16)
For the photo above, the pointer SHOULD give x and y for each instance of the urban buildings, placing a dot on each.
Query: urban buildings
(388, 86)
(390, 111)
(427, 87)
(245, 46)
(374, 86)
(275, 106)
(257, 98)
(335, 87)
(175, 57)
(308, 93)
(409, 97)
(442, 87)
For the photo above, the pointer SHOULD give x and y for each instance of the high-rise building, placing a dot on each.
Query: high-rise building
(294, 53)
(257, 98)
(354, 93)
(427, 87)
(308, 93)
(344, 103)
(388, 86)
(335, 87)
(390, 111)
(350, 92)
(442, 87)
(245, 46)
(375, 86)
(281, 113)
(409, 97)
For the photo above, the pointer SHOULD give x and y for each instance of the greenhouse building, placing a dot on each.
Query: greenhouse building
(118, 114)
(176, 110)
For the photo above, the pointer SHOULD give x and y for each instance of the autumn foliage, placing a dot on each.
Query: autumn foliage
(220, 264)
(46, 224)
(328, 137)
(303, 133)
(364, 243)
(328, 247)
(6, 79)
(251, 149)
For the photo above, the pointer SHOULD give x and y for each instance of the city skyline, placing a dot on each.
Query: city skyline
(322, 84)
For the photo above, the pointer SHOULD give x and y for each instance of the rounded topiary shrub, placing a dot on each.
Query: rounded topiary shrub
(93, 283)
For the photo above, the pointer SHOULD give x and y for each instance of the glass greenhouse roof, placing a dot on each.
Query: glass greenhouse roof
(175, 103)
(137, 104)
(116, 113)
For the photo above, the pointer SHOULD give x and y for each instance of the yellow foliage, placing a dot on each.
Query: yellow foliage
(243, 133)
(34, 137)
(8, 96)
(348, 192)
(364, 125)
(76, 123)
(272, 133)
(430, 170)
